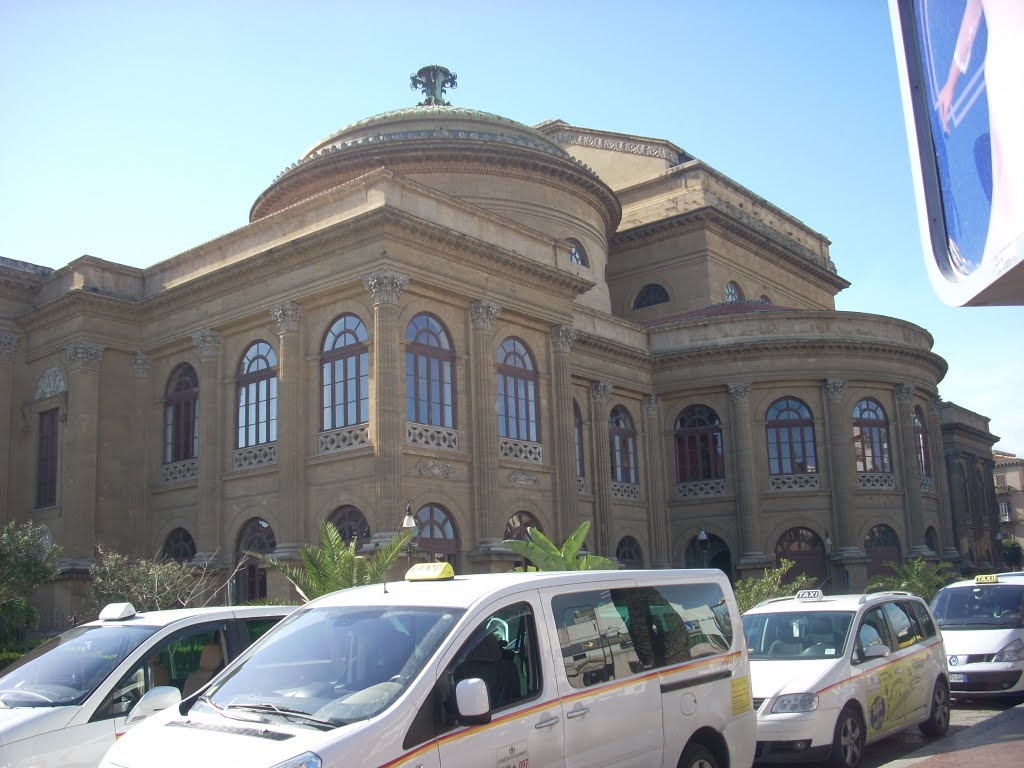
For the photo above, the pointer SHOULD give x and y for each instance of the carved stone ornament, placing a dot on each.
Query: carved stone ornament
(935, 406)
(484, 314)
(740, 393)
(435, 468)
(50, 384)
(83, 355)
(617, 145)
(140, 363)
(601, 391)
(207, 341)
(904, 394)
(519, 477)
(652, 404)
(385, 286)
(835, 389)
(8, 343)
(434, 81)
(563, 337)
(288, 316)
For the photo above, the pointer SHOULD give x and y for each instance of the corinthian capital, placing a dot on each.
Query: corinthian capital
(8, 343)
(140, 363)
(601, 391)
(385, 286)
(563, 337)
(652, 404)
(288, 316)
(835, 389)
(207, 341)
(904, 394)
(484, 314)
(739, 393)
(83, 355)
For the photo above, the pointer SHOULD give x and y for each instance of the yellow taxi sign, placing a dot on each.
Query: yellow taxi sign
(430, 572)
(986, 578)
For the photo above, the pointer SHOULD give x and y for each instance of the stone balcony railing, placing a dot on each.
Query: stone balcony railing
(255, 456)
(179, 471)
(521, 450)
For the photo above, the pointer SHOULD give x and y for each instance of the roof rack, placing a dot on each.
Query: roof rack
(890, 593)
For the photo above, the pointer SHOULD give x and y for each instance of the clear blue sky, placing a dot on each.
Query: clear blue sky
(132, 131)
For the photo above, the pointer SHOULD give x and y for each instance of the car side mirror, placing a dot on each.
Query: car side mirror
(472, 702)
(876, 652)
(156, 699)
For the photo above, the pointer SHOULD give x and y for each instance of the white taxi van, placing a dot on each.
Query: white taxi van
(833, 673)
(595, 668)
(982, 624)
(63, 704)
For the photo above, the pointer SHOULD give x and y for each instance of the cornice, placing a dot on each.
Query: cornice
(75, 303)
(589, 342)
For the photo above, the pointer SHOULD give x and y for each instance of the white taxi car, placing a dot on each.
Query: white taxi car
(63, 704)
(982, 624)
(833, 673)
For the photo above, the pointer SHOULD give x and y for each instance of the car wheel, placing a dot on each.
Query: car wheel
(848, 741)
(698, 756)
(938, 719)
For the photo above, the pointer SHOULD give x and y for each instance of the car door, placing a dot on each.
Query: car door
(611, 700)
(915, 658)
(507, 650)
(878, 674)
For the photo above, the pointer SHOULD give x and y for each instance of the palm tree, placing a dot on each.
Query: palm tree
(334, 564)
(917, 576)
(547, 556)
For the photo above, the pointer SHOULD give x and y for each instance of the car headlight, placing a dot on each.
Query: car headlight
(305, 760)
(795, 702)
(1013, 652)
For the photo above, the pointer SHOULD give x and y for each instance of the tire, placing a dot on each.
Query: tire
(938, 717)
(848, 740)
(698, 756)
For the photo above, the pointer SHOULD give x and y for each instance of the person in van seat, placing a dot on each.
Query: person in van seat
(487, 661)
(785, 644)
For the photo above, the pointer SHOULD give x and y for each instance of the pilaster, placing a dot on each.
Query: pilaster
(138, 492)
(78, 480)
(748, 497)
(211, 448)
(8, 345)
(658, 534)
(291, 461)
(600, 399)
(562, 339)
(483, 316)
(911, 472)
(951, 549)
(841, 467)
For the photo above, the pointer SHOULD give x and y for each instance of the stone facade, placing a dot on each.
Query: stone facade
(662, 344)
(1008, 471)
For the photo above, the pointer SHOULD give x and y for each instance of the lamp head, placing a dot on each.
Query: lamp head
(409, 522)
(703, 543)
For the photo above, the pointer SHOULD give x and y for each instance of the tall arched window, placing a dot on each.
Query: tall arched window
(649, 295)
(437, 532)
(577, 253)
(622, 445)
(519, 524)
(345, 373)
(882, 545)
(351, 524)
(517, 392)
(871, 436)
(807, 551)
(179, 546)
(629, 553)
(429, 373)
(789, 428)
(251, 581)
(699, 445)
(181, 415)
(924, 457)
(577, 431)
(257, 396)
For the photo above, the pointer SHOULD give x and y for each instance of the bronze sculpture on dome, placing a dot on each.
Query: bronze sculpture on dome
(434, 81)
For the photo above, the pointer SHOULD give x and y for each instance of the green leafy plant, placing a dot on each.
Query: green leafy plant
(547, 556)
(26, 563)
(1013, 554)
(149, 585)
(334, 564)
(754, 589)
(917, 576)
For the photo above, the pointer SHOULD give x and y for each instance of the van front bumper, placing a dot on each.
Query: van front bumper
(986, 679)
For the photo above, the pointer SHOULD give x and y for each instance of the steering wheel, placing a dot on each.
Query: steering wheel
(32, 695)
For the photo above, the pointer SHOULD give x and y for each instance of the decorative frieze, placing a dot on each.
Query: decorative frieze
(700, 489)
(343, 439)
(8, 344)
(928, 484)
(563, 337)
(835, 389)
(50, 384)
(385, 286)
(483, 315)
(435, 468)
(208, 342)
(652, 404)
(601, 391)
(288, 316)
(904, 394)
(83, 355)
(521, 450)
(519, 477)
(633, 147)
(140, 363)
(431, 437)
(739, 393)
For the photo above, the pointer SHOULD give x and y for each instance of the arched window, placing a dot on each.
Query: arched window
(871, 437)
(789, 427)
(519, 524)
(924, 457)
(807, 551)
(351, 524)
(577, 253)
(257, 396)
(765, 299)
(628, 553)
(649, 295)
(345, 373)
(517, 392)
(882, 545)
(622, 445)
(699, 445)
(437, 533)
(179, 546)
(581, 467)
(429, 373)
(181, 415)
(733, 291)
(251, 581)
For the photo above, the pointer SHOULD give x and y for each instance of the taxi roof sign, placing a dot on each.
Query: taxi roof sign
(810, 594)
(986, 578)
(430, 572)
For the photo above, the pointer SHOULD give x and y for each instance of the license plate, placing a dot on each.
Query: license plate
(957, 678)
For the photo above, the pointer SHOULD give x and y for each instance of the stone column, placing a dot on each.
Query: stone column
(841, 467)
(138, 493)
(291, 449)
(8, 344)
(600, 397)
(951, 550)
(388, 402)
(914, 518)
(79, 465)
(490, 528)
(657, 504)
(748, 496)
(211, 449)
(564, 436)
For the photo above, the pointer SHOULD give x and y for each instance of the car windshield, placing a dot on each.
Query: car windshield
(327, 666)
(67, 669)
(797, 635)
(980, 605)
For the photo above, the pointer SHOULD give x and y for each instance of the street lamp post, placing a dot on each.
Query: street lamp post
(409, 528)
(703, 546)
(828, 559)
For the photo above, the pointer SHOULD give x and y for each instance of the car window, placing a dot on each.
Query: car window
(903, 624)
(256, 628)
(924, 620)
(797, 634)
(983, 605)
(871, 631)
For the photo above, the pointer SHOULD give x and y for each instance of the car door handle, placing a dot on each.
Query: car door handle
(580, 712)
(547, 722)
